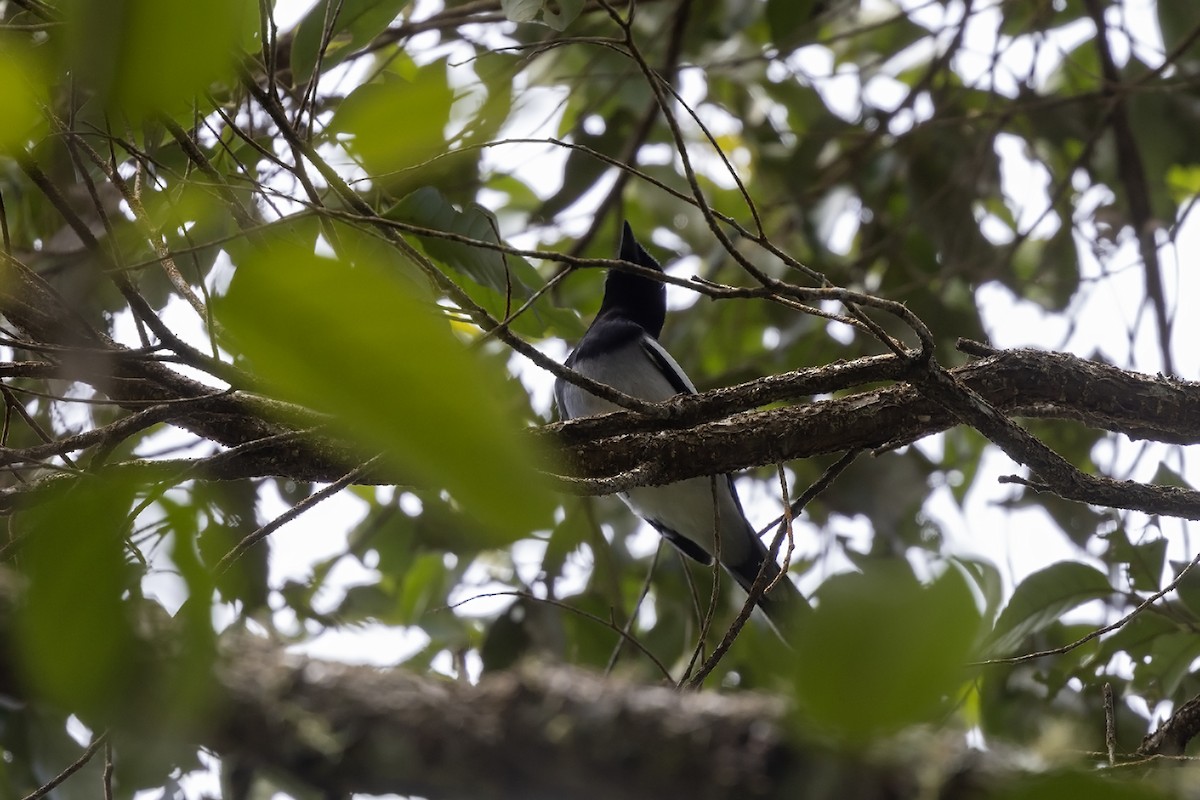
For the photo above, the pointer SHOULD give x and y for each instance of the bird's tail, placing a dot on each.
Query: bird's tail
(785, 606)
(783, 603)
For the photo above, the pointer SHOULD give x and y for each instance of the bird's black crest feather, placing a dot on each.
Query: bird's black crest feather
(634, 297)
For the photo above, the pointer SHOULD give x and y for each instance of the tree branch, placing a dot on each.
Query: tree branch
(1027, 383)
(540, 733)
(707, 434)
(1173, 735)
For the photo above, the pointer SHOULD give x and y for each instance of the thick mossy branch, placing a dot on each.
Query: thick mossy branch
(712, 433)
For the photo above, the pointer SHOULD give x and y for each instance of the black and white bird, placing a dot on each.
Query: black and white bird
(621, 350)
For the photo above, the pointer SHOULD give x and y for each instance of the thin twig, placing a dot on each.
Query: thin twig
(579, 611)
(76, 765)
(1066, 648)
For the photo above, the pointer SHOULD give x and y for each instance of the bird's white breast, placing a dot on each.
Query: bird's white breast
(687, 506)
(629, 370)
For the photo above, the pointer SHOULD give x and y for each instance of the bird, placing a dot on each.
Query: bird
(621, 349)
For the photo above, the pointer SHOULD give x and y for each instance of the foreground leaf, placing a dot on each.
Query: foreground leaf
(881, 651)
(351, 341)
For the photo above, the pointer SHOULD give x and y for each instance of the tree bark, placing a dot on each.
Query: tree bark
(538, 732)
(712, 433)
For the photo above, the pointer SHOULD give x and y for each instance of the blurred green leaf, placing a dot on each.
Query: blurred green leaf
(509, 280)
(1038, 269)
(881, 651)
(1160, 126)
(556, 14)
(502, 272)
(1065, 785)
(891, 35)
(1136, 638)
(356, 244)
(356, 23)
(1042, 598)
(366, 602)
(1178, 23)
(583, 169)
(22, 91)
(521, 10)
(76, 644)
(1183, 181)
(149, 56)
(1165, 476)
(507, 639)
(367, 120)
(787, 18)
(353, 343)
(423, 589)
(1034, 16)
(1171, 657)
(1189, 585)
(986, 576)
(38, 746)
(1144, 560)
(388, 532)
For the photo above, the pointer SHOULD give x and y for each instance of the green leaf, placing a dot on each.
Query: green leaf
(39, 744)
(1183, 182)
(423, 588)
(357, 244)
(1078, 785)
(1042, 598)
(367, 602)
(1136, 638)
(1038, 273)
(388, 532)
(148, 55)
(521, 10)
(1189, 587)
(428, 208)
(1145, 560)
(507, 639)
(885, 40)
(22, 91)
(881, 651)
(582, 169)
(556, 14)
(352, 342)
(75, 641)
(357, 22)
(1171, 657)
(510, 280)
(787, 18)
(1030, 17)
(370, 114)
(1165, 476)
(986, 577)
(1079, 71)
(1178, 22)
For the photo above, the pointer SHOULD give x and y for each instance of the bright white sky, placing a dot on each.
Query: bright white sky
(1108, 317)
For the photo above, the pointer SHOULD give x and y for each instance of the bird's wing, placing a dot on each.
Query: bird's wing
(560, 387)
(682, 512)
(666, 365)
(637, 366)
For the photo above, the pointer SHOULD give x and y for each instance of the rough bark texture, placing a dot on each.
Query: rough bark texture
(540, 732)
(716, 432)
(535, 733)
(1022, 383)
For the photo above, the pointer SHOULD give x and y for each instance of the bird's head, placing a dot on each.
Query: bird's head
(635, 297)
